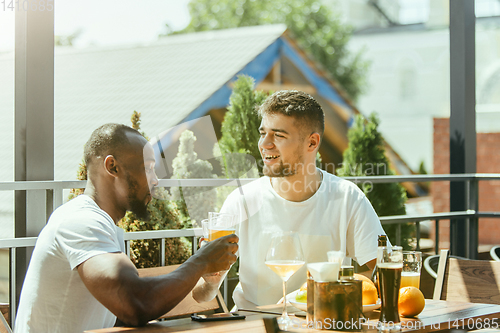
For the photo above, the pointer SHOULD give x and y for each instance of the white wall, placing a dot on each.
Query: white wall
(409, 84)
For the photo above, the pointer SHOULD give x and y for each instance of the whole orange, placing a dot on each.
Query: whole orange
(369, 290)
(411, 301)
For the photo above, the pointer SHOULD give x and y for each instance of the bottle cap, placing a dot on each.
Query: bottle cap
(346, 273)
(382, 240)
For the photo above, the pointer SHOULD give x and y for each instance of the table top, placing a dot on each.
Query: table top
(437, 315)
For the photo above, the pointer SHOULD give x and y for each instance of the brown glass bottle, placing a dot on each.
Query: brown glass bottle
(382, 241)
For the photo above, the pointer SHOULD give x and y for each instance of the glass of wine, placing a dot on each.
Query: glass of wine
(284, 257)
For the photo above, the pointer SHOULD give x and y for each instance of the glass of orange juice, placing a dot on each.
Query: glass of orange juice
(220, 225)
(412, 265)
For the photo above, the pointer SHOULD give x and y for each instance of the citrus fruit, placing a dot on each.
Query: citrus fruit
(304, 286)
(362, 277)
(411, 301)
(301, 296)
(370, 295)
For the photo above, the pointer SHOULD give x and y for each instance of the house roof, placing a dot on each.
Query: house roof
(178, 78)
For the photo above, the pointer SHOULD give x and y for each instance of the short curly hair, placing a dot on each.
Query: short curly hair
(297, 104)
(108, 139)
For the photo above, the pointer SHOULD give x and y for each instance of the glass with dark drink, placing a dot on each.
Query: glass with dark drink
(389, 267)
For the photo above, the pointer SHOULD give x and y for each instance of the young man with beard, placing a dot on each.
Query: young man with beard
(79, 277)
(329, 213)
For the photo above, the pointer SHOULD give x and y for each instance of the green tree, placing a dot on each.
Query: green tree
(164, 215)
(240, 129)
(317, 29)
(196, 202)
(365, 156)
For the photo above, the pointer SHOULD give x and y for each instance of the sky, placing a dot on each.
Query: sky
(108, 22)
(114, 22)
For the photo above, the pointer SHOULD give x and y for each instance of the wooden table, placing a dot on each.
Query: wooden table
(437, 316)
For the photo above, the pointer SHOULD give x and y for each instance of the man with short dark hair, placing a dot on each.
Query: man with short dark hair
(329, 213)
(79, 277)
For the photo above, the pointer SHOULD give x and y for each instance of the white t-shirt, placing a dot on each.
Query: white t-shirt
(54, 298)
(337, 217)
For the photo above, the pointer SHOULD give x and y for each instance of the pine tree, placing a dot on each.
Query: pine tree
(365, 156)
(164, 215)
(240, 129)
(196, 202)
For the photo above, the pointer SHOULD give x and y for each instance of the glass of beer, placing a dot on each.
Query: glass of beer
(389, 267)
(220, 225)
(412, 265)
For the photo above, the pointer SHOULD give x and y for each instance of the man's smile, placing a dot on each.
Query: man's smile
(268, 158)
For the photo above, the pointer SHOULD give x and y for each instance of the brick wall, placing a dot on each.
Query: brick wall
(488, 161)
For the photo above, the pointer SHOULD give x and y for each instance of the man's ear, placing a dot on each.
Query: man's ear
(110, 165)
(314, 140)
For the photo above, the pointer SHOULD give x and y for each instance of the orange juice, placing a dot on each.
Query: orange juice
(410, 279)
(213, 234)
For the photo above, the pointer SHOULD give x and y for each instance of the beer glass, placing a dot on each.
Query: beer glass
(220, 225)
(412, 265)
(389, 267)
(284, 257)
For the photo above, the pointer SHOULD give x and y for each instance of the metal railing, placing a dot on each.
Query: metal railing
(55, 192)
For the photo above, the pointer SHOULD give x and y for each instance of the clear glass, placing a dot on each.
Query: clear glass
(389, 267)
(412, 266)
(285, 257)
(220, 225)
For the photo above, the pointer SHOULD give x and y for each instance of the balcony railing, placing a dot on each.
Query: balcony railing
(54, 191)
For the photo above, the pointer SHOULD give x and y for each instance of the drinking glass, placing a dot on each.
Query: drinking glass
(220, 225)
(412, 265)
(389, 267)
(284, 257)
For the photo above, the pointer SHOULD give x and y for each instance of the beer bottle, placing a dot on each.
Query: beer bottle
(382, 241)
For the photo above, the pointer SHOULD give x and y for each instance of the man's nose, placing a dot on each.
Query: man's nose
(266, 142)
(154, 180)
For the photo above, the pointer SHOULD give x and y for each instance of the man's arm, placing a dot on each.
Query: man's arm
(211, 283)
(208, 290)
(114, 281)
(371, 265)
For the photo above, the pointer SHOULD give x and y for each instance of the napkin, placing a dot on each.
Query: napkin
(324, 271)
(336, 256)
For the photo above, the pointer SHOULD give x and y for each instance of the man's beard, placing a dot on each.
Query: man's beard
(136, 206)
(139, 209)
(282, 170)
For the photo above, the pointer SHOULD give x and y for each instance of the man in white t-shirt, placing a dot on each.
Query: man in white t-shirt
(329, 213)
(79, 277)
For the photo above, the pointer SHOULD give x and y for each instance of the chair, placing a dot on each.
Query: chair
(4, 317)
(188, 305)
(431, 265)
(4, 327)
(465, 280)
(495, 253)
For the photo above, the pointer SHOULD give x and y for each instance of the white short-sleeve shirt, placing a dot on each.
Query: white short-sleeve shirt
(337, 217)
(54, 298)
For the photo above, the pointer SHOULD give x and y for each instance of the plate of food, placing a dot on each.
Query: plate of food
(298, 298)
